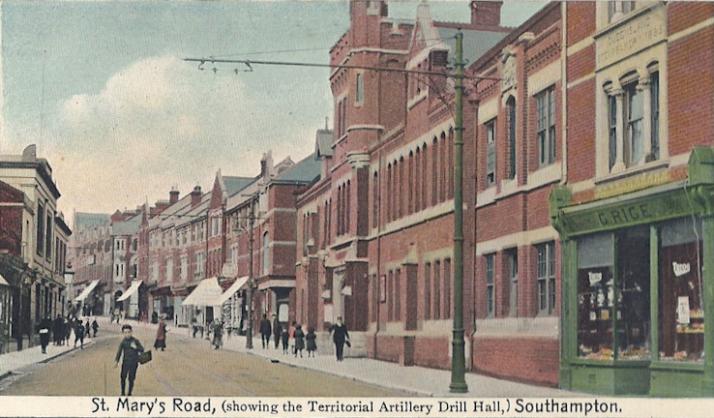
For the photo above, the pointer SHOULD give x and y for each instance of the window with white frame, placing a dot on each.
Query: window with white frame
(545, 109)
(633, 117)
(546, 277)
(512, 272)
(491, 152)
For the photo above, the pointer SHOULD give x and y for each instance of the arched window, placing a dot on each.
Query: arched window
(410, 186)
(442, 167)
(266, 253)
(511, 143)
(417, 180)
(375, 200)
(424, 171)
(434, 171)
(348, 198)
(450, 173)
(401, 210)
(389, 192)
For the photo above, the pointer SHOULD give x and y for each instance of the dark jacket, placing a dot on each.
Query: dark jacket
(130, 347)
(58, 327)
(339, 333)
(265, 327)
(299, 339)
(277, 328)
(79, 330)
(311, 343)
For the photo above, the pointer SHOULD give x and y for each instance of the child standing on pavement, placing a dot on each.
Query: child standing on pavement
(299, 340)
(284, 337)
(311, 343)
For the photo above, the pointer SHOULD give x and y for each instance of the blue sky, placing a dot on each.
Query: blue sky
(100, 87)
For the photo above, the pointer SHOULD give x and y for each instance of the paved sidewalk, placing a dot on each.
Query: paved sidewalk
(420, 381)
(16, 360)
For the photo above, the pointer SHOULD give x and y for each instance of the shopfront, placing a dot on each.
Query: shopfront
(638, 281)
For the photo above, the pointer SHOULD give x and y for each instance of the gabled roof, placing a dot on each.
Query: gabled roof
(323, 143)
(234, 184)
(306, 171)
(196, 212)
(167, 217)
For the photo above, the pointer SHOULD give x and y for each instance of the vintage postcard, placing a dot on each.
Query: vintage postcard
(346, 208)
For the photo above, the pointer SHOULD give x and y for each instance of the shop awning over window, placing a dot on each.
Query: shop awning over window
(205, 294)
(130, 291)
(236, 286)
(87, 290)
(3, 282)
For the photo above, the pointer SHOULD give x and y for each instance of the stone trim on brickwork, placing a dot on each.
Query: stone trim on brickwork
(517, 239)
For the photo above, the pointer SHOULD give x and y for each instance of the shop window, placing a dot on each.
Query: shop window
(681, 307)
(491, 153)
(490, 285)
(545, 107)
(512, 274)
(595, 296)
(632, 323)
(546, 277)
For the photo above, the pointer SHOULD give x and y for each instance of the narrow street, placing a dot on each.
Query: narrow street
(188, 367)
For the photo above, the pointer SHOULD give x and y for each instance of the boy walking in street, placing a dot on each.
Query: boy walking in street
(129, 350)
(79, 334)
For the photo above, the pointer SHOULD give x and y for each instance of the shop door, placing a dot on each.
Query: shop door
(633, 285)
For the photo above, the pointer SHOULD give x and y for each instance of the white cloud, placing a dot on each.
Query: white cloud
(159, 123)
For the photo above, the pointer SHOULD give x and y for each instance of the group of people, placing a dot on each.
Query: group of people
(214, 331)
(61, 328)
(296, 338)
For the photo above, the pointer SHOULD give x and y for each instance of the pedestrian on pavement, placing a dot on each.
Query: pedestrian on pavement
(44, 330)
(160, 342)
(277, 330)
(265, 331)
(95, 327)
(284, 337)
(311, 342)
(79, 334)
(299, 340)
(340, 336)
(58, 330)
(217, 335)
(86, 329)
(67, 330)
(291, 332)
(129, 350)
(194, 326)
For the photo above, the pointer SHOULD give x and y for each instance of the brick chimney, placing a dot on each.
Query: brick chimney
(173, 196)
(196, 196)
(486, 13)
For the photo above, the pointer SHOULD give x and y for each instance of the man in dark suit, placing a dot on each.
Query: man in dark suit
(129, 350)
(340, 336)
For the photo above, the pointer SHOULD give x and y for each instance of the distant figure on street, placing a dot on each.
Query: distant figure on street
(291, 332)
(87, 328)
(160, 342)
(340, 336)
(217, 335)
(129, 350)
(277, 330)
(311, 343)
(154, 317)
(95, 327)
(79, 334)
(265, 331)
(284, 337)
(67, 329)
(299, 340)
(194, 326)
(58, 330)
(44, 330)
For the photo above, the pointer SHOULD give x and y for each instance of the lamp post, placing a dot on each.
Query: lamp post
(458, 361)
(251, 280)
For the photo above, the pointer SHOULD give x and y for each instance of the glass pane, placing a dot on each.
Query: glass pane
(595, 296)
(633, 310)
(681, 308)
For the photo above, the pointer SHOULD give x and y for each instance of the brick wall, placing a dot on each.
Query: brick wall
(534, 360)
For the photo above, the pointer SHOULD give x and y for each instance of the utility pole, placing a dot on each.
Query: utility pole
(458, 360)
(251, 239)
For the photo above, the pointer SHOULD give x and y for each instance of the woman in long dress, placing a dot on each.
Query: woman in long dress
(160, 342)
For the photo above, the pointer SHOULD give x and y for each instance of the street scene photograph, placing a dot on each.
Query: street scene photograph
(364, 199)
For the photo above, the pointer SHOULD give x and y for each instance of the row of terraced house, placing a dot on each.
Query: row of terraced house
(587, 201)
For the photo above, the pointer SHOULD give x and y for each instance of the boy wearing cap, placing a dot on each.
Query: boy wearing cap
(129, 350)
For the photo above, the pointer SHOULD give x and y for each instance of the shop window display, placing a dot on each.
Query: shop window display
(633, 294)
(681, 313)
(595, 296)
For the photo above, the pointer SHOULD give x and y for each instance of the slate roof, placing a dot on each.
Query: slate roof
(476, 42)
(128, 227)
(84, 220)
(234, 184)
(305, 171)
